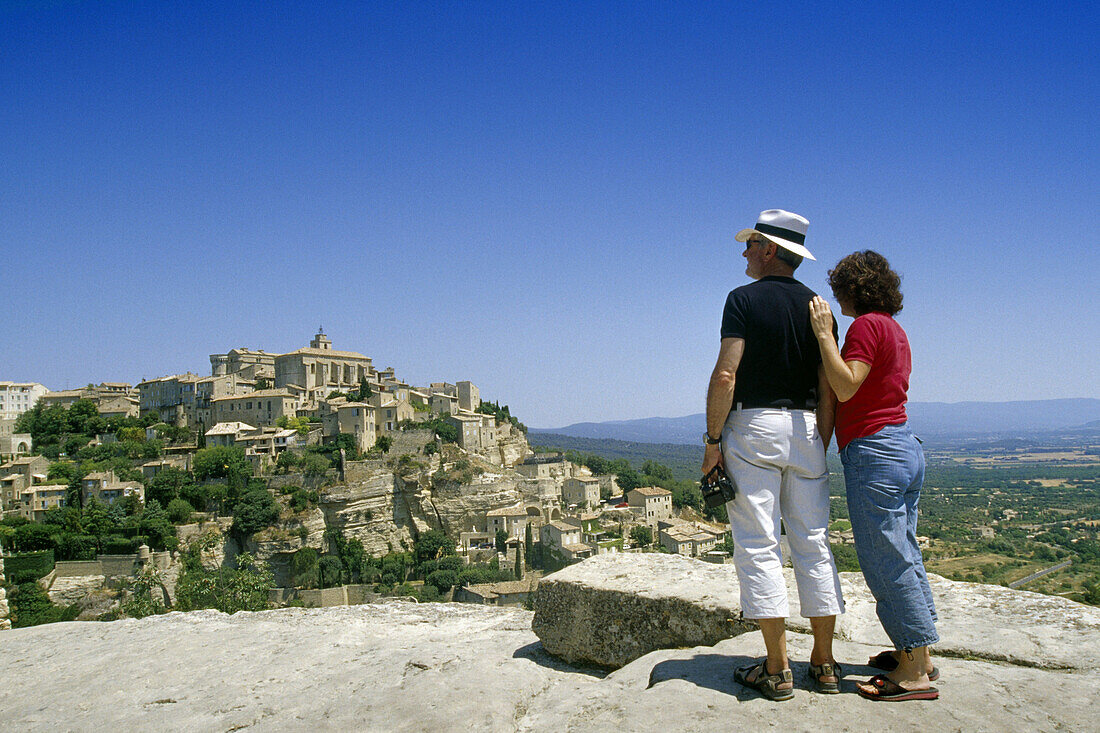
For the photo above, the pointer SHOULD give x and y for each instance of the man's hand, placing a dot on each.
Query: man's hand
(821, 318)
(711, 457)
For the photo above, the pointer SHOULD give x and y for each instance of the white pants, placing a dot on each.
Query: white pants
(777, 460)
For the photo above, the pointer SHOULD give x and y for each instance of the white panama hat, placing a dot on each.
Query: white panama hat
(783, 228)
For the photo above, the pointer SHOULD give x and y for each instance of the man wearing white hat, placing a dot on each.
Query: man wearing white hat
(769, 419)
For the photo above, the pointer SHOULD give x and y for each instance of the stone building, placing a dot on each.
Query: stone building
(112, 399)
(320, 369)
(262, 407)
(360, 420)
(246, 363)
(687, 539)
(19, 475)
(546, 466)
(513, 520)
(651, 502)
(565, 539)
(469, 397)
(13, 444)
(581, 491)
(105, 486)
(440, 403)
(187, 400)
(37, 499)
(224, 434)
(390, 412)
(172, 398)
(469, 431)
(209, 389)
(18, 397)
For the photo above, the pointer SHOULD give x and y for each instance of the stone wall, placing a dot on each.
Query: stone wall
(109, 565)
(324, 597)
(77, 568)
(4, 622)
(345, 595)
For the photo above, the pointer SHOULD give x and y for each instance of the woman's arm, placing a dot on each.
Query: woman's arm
(826, 407)
(844, 377)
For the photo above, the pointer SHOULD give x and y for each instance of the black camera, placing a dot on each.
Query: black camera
(717, 487)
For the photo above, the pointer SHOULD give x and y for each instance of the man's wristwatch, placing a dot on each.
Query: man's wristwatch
(711, 441)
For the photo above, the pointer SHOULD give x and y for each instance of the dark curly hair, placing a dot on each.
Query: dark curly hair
(865, 280)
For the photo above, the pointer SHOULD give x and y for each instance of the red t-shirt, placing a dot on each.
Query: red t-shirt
(878, 340)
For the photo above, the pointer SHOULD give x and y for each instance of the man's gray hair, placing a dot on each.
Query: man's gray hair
(785, 255)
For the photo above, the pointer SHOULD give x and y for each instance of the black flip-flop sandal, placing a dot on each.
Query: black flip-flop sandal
(887, 690)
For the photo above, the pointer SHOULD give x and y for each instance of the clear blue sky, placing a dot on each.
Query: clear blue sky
(541, 197)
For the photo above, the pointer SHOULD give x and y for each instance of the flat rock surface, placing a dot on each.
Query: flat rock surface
(597, 612)
(450, 667)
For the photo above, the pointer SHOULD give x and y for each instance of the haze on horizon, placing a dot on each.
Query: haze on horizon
(541, 199)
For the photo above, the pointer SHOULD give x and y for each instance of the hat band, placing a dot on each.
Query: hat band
(789, 234)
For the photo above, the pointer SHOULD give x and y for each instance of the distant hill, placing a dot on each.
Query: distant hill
(928, 418)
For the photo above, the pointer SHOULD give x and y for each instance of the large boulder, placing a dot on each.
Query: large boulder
(612, 609)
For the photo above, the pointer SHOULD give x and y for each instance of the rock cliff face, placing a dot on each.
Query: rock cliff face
(386, 506)
(451, 667)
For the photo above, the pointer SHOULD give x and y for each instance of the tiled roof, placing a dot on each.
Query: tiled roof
(512, 511)
(653, 491)
(310, 351)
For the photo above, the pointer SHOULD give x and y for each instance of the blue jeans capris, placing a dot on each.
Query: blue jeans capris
(883, 474)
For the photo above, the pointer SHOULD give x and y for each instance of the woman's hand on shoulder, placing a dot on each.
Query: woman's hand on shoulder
(821, 318)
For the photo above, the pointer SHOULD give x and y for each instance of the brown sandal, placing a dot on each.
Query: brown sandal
(764, 683)
(829, 669)
(887, 690)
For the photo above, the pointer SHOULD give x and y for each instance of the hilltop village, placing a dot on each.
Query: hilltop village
(312, 475)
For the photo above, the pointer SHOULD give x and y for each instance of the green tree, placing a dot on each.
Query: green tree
(30, 606)
(244, 588)
(167, 485)
(331, 571)
(72, 546)
(641, 535)
(502, 541)
(180, 511)
(383, 443)
(628, 479)
(528, 544)
(286, 461)
(518, 570)
(222, 462)
(305, 569)
(256, 510)
(364, 392)
(144, 594)
(432, 545)
(314, 464)
(442, 580)
(155, 525)
(346, 442)
(32, 536)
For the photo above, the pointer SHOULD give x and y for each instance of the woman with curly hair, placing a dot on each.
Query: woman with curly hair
(883, 467)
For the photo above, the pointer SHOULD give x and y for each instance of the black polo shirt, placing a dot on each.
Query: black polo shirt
(779, 364)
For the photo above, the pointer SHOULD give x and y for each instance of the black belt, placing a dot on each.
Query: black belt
(792, 406)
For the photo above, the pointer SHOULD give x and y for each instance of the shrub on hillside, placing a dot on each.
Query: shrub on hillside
(180, 511)
(256, 510)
